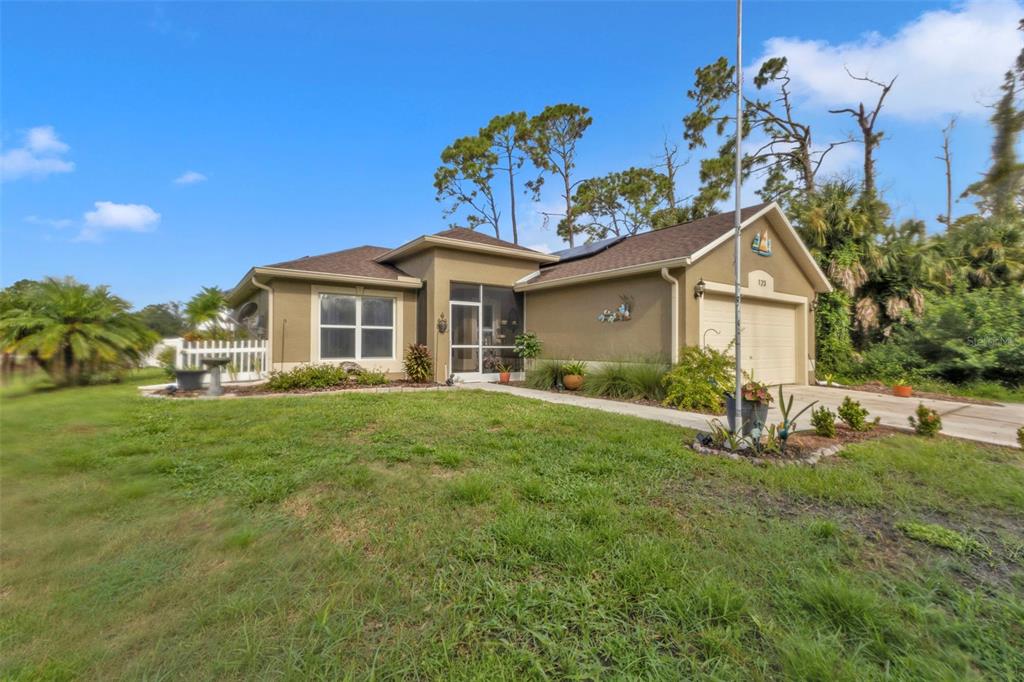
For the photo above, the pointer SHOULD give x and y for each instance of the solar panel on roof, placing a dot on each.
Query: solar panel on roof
(584, 250)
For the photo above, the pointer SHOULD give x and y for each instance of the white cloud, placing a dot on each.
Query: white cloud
(109, 216)
(947, 61)
(189, 178)
(39, 156)
(49, 222)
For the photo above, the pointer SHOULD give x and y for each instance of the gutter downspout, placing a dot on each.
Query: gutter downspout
(270, 320)
(674, 281)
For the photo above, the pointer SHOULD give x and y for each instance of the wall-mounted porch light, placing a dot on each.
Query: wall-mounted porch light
(699, 288)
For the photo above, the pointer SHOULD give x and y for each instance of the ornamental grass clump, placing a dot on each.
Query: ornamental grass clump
(625, 380)
(544, 375)
(927, 422)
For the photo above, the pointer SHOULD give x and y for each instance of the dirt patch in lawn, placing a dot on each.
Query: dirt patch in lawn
(879, 387)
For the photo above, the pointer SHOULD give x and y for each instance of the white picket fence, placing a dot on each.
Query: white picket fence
(248, 357)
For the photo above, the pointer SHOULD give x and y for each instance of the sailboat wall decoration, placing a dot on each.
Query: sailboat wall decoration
(762, 244)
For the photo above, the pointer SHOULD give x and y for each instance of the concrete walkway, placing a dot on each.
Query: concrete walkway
(995, 424)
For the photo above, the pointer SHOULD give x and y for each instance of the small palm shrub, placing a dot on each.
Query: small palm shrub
(628, 381)
(927, 422)
(308, 377)
(824, 422)
(419, 366)
(544, 375)
(372, 377)
(699, 380)
(855, 416)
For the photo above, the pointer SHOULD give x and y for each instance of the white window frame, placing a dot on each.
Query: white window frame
(358, 327)
(479, 374)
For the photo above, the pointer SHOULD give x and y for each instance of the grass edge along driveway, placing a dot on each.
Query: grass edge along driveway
(469, 535)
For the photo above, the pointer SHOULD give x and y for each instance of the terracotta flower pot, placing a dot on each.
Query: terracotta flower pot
(504, 377)
(573, 382)
(902, 390)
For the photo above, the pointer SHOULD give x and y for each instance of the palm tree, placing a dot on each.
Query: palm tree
(74, 330)
(205, 307)
(987, 251)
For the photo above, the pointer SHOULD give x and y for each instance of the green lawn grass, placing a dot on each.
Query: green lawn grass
(464, 534)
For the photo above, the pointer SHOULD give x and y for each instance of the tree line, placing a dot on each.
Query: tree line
(883, 270)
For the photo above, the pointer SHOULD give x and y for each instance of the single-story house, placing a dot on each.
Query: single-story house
(467, 295)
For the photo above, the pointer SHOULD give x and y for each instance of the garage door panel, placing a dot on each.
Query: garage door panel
(769, 336)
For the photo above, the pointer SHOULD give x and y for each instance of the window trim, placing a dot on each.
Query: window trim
(357, 328)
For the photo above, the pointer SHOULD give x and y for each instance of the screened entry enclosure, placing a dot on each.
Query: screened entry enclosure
(484, 323)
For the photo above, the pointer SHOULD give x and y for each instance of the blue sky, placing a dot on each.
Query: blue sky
(312, 127)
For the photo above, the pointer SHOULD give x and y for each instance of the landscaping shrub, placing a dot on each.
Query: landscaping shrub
(1020, 437)
(927, 423)
(855, 416)
(545, 375)
(419, 366)
(628, 381)
(832, 331)
(824, 422)
(699, 380)
(308, 377)
(961, 336)
(372, 377)
(527, 345)
(166, 358)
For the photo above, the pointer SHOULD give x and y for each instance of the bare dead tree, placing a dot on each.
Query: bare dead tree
(866, 120)
(790, 145)
(947, 160)
(668, 161)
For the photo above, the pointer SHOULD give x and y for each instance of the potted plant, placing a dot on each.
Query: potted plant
(504, 372)
(902, 388)
(572, 374)
(756, 399)
(189, 378)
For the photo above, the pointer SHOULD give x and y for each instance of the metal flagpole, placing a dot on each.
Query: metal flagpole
(737, 222)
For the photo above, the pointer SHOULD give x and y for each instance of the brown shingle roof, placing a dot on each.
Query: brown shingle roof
(468, 235)
(678, 241)
(357, 262)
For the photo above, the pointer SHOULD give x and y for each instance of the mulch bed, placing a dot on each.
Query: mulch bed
(879, 387)
(262, 390)
(805, 447)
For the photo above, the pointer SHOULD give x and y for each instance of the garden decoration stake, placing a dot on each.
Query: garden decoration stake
(788, 425)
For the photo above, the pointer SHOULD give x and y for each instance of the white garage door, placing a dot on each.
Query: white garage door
(769, 335)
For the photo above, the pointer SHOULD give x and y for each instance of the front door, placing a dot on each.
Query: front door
(484, 323)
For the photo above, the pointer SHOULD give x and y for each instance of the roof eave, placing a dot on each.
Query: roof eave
(639, 269)
(429, 241)
(401, 282)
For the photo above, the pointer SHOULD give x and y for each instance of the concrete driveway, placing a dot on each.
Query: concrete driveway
(996, 424)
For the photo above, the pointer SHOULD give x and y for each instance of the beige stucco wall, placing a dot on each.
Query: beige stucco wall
(717, 266)
(566, 321)
(439, 267)
(295, 322)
